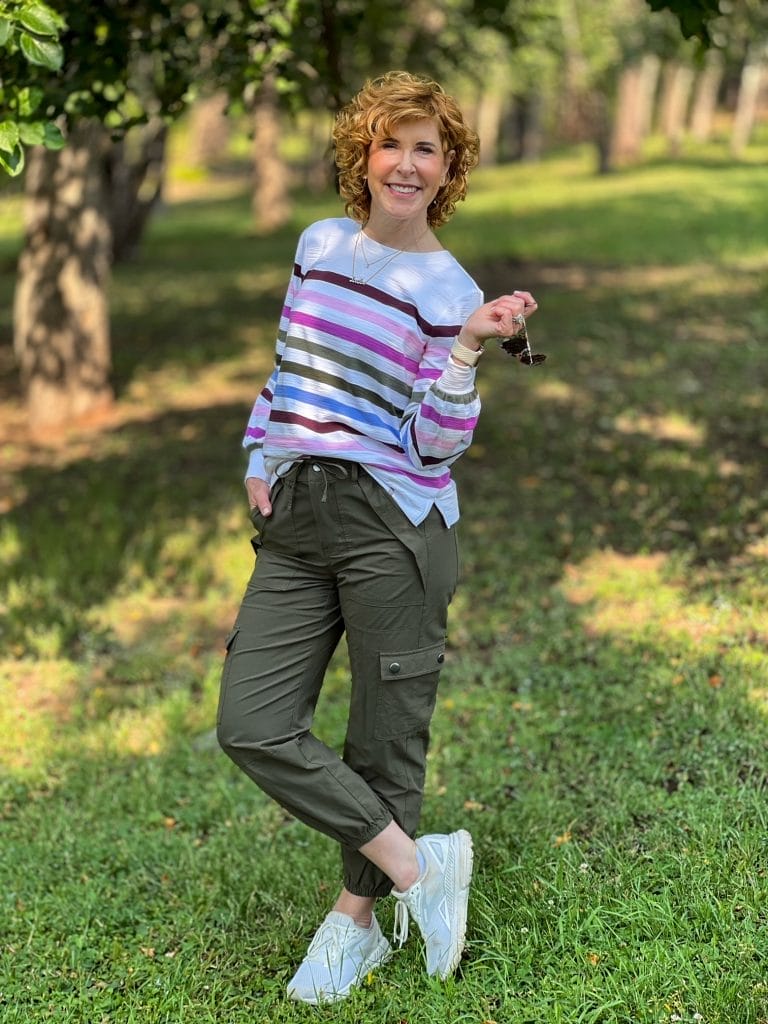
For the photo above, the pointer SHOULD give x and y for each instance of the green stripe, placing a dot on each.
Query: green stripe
(340, 385)
(360, 365)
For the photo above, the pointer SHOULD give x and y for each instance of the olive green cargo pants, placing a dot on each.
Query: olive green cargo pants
(337, 555)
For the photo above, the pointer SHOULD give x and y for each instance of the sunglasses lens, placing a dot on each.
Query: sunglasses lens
(515, 345)
(519, 346)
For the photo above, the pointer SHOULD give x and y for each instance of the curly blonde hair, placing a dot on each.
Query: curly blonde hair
(380, 105)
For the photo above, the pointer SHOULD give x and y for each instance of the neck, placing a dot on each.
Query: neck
(402, 235)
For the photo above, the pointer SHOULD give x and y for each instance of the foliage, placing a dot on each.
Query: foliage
(694, 16)
(603, 717)
(128, 60)
(29, 38)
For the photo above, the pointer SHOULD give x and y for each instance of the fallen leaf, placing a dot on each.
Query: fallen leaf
(566, 837)
(473, 805)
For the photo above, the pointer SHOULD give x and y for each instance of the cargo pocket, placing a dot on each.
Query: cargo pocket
(407, 691)
(226, 671)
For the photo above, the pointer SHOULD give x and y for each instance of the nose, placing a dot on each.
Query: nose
(405, 164)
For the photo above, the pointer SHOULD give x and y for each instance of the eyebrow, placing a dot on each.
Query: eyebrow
(421, 142)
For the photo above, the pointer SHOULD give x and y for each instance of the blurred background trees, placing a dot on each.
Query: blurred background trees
(533, 75)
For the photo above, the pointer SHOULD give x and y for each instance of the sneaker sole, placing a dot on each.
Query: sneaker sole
(463, 877)
(380, 955)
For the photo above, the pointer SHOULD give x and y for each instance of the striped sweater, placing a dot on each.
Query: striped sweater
(362, 370)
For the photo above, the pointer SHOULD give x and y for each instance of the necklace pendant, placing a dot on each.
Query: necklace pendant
(356, 280)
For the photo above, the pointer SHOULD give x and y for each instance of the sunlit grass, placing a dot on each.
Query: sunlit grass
(602, 720)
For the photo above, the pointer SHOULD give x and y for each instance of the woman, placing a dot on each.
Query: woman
(350, 442)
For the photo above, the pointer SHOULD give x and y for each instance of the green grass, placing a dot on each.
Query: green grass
(603, 716)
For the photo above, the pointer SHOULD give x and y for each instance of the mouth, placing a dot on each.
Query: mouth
(403, 190)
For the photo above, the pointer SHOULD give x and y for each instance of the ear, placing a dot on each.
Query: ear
(447, 161)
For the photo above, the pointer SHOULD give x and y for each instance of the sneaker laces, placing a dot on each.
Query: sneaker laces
(328, 943)
(400, 933)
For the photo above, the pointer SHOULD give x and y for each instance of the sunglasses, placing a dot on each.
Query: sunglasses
(520, 347)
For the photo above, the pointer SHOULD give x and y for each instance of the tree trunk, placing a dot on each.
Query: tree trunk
(490, 108)
(318, 173)
(749, 91)
(209, 130)
(531, 109)
(271, 204)
(678, 80)
(650, 69)
(135, 175)
(705, 96)
(634, 103)
(626, 138)
(61, 328)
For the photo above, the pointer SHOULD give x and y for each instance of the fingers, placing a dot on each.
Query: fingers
(530, 303)
(516, 304)
(499, 318)
(258, 495)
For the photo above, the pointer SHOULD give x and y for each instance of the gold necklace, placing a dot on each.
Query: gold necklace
(377, 259)
(384, 260)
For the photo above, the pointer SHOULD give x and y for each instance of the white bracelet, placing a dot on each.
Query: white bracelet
(471, 356)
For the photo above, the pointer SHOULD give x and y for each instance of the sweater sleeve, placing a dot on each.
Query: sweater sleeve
(255, 432)
(444, 407)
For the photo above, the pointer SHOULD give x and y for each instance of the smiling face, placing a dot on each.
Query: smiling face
(406, 168)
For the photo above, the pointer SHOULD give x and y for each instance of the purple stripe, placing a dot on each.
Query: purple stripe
(448, 422)
(357, 338)
(323, 299)
(433, 330)
(255, 432)
(433, 483)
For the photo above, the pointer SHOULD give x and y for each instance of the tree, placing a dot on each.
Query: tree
(127, 62)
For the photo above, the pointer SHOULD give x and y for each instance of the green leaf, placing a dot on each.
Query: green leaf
(40, 19)
(45, 52)
(28, 100)
(53, 137)
(12, 163)
(32, 133)
(9, 136)
(5, 30)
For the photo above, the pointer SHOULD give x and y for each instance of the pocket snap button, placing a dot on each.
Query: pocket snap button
(440, 659)
(394, 668)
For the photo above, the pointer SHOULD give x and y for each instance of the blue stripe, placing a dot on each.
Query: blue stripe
(331, 405)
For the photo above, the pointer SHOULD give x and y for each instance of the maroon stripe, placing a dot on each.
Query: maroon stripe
(280, 416)
(432, 330)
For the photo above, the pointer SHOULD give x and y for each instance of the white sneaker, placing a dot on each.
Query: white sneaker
(437, 901)
(339, 956)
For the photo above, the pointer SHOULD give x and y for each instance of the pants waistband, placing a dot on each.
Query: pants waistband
(329, 469)
(339, 469)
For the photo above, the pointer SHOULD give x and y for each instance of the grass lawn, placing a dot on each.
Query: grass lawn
(603, 716)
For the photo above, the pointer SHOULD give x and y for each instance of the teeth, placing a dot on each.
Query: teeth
(405, 189)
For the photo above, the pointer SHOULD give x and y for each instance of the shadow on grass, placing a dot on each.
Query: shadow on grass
(105, 519)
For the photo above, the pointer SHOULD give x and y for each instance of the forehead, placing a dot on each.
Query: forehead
(414, 129)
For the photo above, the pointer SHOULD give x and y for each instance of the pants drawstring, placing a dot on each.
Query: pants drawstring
(334, 469)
